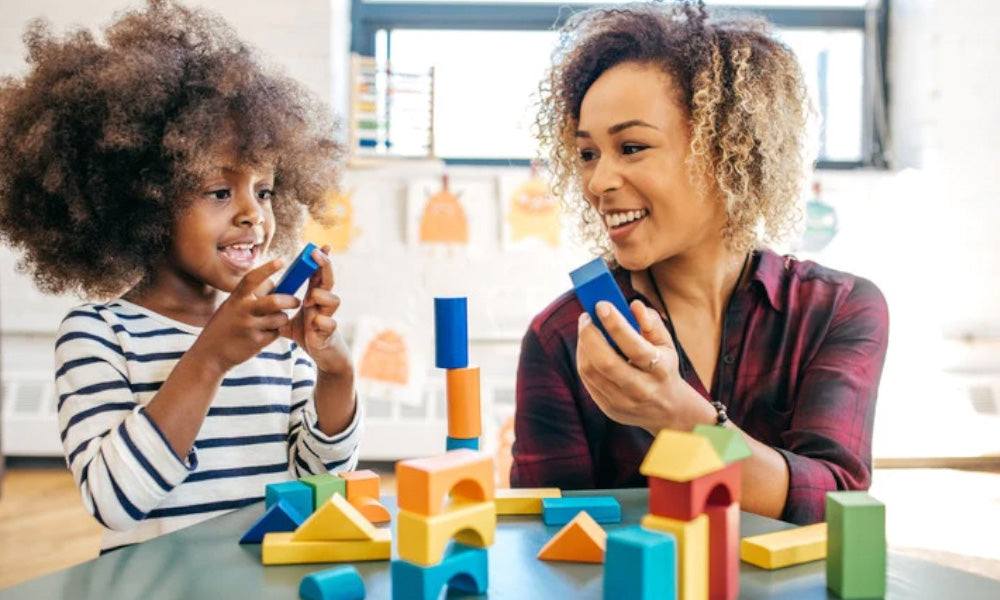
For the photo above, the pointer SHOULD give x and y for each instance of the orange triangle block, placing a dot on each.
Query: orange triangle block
(580, 540)
(335, 520)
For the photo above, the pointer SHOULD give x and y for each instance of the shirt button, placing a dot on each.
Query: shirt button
(728, 359)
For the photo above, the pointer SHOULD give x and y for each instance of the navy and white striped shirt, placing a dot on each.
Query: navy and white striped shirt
(261, 427)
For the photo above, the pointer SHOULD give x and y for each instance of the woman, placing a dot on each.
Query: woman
(679, 142)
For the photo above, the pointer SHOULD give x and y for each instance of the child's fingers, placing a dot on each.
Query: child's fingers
(273, 303)
(323, 278)
(326, 301)
(253, 280)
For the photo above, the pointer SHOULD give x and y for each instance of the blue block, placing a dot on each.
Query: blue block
(297, 494)
(338, 583)
(279, 517)
(559, 511)
(456, 443)
(298, 272)
(640, 564)
(451, 333)
(594, 282)
(463, 569)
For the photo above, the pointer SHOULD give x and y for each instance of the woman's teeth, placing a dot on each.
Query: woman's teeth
(621, 218)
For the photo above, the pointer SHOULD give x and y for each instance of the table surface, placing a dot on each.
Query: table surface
(206, 561)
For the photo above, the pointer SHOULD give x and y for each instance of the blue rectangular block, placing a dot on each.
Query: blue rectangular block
(451, 333)
(297, 494)
(559, 511)
(640, 564)
(456, 443)
(594, 282)
(298, 272)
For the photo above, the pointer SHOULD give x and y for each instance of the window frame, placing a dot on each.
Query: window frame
(872, 20)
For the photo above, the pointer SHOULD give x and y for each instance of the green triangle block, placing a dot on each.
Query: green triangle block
(728, 443)
(324, 486)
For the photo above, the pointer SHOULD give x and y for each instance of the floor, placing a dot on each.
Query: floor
(44, 527)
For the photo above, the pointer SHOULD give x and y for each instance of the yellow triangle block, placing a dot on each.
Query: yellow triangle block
(580, 540)
(680, 456)
(335, 520)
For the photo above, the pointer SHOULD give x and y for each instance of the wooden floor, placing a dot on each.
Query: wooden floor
(44, 527)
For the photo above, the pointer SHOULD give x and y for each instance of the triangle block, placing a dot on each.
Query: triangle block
(680, 456)
(728, 443)
(580, 540)
(280, 517)
(336, 520)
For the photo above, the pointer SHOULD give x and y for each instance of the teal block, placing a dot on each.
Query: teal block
(280, 517)
(456, 443)
(297, 494)
(559, 511)
(640, 564)
(855, 555)
(338, 583)
(463, 569)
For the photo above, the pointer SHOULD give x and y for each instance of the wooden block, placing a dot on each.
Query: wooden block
(559, 511)
(640, 564)
(422, 484)
(338, 583)
(451, 333)
(581, 540)
(280, 549)
(523, 501)
(297, 494)
(335, 520)
(729, 444)
(680, 456)
(723, 552)
(361, 484)
(463, 569)
(459, 443)
(372, 510)
(785, 548)
(692, 553)
(685, 500)
(422, 539)
(464, 405)
(592, 283)
(323, 486)
(280, 517)
(855, 556)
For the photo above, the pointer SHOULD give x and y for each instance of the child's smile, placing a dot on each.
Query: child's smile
(244, 254)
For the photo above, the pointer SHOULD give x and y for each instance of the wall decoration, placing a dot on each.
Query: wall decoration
(388, 364)
(531, 213)
(341, 233)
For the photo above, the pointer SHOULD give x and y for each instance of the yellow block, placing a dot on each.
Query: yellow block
(692, 552)
(785, 548)
(523, 501)
(281, 549)
(422, 540)
(336, 520)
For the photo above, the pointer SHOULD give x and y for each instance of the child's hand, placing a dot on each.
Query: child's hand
(248, 320)
(314, 328)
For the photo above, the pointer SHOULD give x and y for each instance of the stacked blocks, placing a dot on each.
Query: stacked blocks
(339, 583)
(363, 492)
(855, 561)
(694, 494)
(427, 521)
(336, 532)
(640, 565)
(462, 381)
(581, 540)
(296, 494)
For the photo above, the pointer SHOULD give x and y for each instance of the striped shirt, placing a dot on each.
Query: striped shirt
(261, 427)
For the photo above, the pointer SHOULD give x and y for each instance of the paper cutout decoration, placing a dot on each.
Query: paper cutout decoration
(533, 212)
(386, 359)
(389, 365)
(443, 220)
(342, 232)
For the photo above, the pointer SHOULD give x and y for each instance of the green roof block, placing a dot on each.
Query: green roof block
(728, 443)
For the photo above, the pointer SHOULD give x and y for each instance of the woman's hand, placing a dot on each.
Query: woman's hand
(646, 390)
(314, 329)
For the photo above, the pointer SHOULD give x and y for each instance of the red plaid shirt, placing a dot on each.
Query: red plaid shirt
(802, 354)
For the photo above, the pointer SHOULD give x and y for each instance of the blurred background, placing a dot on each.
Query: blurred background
(441, 197)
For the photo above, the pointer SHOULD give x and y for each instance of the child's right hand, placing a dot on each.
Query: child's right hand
(250, 319)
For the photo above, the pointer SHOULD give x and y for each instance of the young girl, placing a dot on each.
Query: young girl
(160, 167)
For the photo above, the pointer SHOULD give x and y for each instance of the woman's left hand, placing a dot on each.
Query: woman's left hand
(313, 327)
(644, 389)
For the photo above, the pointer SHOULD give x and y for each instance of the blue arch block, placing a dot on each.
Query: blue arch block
(463, 568)
(297, 494)
(280, 517)
(451, 333)
(640, 564)
(338, 583)
(456, 443)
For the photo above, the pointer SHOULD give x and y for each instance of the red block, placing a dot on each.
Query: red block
(686, 500)
(723, 552)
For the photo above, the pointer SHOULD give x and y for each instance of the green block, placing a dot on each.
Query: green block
(324, 486)
(728, 443)
(855, 554)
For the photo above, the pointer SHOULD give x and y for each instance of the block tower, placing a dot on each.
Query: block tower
(694, 494)
(451, 339)
(440, 498)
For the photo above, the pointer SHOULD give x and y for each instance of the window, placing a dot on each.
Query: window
(489, 58)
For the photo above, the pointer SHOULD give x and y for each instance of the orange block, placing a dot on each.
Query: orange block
(372, 510)
(361, 484)
(464, 418)
(723, 552)
(580, 540)
(423, 483)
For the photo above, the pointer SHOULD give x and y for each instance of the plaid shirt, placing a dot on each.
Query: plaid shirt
(802, 354)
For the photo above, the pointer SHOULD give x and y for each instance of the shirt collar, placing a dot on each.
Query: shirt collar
(771, 271)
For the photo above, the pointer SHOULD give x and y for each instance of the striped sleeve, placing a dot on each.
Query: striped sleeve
(119, 458)
(310, 451)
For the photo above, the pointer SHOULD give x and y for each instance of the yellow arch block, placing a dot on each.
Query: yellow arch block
(422, 540)
(692, 552)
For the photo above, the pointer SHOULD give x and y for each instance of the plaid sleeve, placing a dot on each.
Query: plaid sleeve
(828, 446)
(550, 446)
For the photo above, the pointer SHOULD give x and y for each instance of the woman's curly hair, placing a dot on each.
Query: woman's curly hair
(742, 89)
(100, 143)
